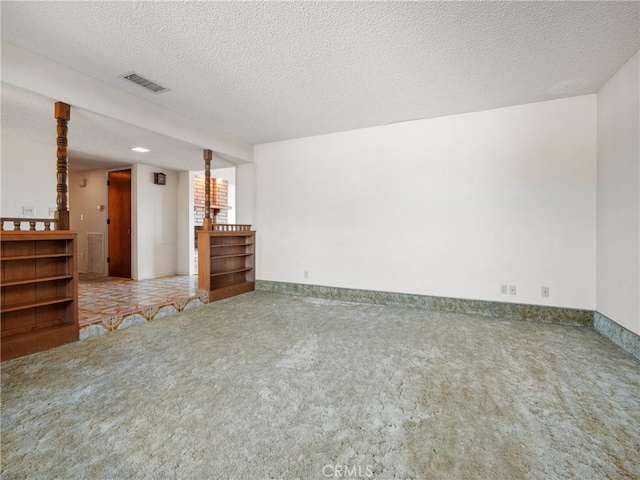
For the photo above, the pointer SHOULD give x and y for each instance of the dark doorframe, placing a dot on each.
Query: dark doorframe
(119, 223)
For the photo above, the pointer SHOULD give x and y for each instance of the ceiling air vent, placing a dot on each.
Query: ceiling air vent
(144, 83)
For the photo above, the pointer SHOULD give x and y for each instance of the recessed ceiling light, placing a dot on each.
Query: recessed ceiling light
(140, 149)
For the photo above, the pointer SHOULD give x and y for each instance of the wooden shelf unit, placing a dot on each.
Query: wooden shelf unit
(39, 282)
(226, 260)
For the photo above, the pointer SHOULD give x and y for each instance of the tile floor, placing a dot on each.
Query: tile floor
(103, 297)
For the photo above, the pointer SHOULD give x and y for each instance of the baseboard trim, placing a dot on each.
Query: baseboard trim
(625, 339)
(514, 311)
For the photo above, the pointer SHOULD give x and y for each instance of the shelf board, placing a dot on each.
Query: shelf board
(41, 255)
(36, 280)
(37, 303)
(215, 257)
(230, 272)
(37, 340)
(232, 245)
(231, 290)
(30, 328)
(220, 207)
(48, 329)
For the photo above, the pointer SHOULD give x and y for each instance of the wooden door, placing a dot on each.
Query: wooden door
(120, 224)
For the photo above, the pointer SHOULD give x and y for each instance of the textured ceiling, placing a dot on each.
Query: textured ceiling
(266, 71)
(95, 141)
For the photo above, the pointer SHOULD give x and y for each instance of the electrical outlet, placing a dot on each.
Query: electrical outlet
(503, 289)
(52, 212)
(30, 211)
(512, 289)
(82, 256)
(544, 291)
(306, 274)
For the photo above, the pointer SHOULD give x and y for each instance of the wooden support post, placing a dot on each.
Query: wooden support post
(62, 114)
(206, 223)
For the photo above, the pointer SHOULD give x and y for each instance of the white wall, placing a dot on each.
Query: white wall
(83, 212)
(453, 206)
(185, 224)
(618, 207)
(155, 223)
(245, 194)
(28, 177)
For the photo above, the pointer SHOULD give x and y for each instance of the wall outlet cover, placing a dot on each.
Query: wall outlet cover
(503, 289)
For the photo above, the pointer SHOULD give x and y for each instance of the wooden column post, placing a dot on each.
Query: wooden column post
(208, 156)
(62, 114)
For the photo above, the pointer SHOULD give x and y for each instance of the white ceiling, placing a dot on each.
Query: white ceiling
(268, 71)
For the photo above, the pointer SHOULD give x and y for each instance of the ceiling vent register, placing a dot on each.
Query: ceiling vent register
(144, 83)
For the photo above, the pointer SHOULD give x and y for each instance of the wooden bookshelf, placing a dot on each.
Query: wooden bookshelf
(39, 282)
(226, 260)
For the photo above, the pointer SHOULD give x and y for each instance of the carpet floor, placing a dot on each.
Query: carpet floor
(265, 386)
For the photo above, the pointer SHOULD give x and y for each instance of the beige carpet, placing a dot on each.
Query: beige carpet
(268, 386)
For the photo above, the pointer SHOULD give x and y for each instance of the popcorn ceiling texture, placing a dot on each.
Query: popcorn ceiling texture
(267, 71)
(271, 386)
